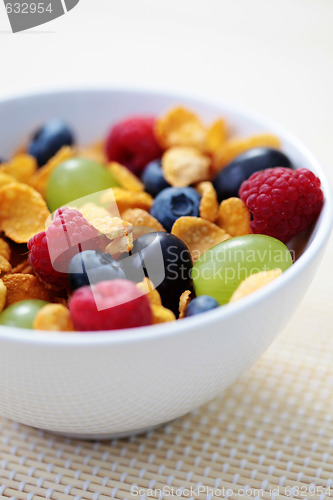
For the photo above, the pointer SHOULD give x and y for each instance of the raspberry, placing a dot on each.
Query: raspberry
(132, 143)
(283, 202)
(109, 305)
(52, 250)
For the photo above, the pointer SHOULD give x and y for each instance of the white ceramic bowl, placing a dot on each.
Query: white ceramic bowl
(102, 384)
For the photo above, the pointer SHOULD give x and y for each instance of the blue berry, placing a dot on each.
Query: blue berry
(90, 267)
(153, 178)
(228, 181)
(49, 139)
(165, 260)
(173, 203)
(201, 304)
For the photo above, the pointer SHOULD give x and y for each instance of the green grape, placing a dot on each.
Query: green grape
(22, 314)
(75, 179)
(220, 270)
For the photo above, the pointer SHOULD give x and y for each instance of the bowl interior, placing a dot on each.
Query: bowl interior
(91, 112)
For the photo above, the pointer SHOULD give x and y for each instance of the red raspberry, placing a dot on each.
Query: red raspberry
(52, 250)
(283, 202)
(132, 143)
(110, 305)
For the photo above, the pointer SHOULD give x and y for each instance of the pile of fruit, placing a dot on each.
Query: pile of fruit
(165, 219)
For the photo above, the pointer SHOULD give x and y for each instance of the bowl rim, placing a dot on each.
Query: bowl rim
(157, 332)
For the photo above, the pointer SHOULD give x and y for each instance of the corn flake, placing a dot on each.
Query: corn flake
(5, 265)
(116, 230)
(254, 282)
(91, 211)
(162, 315)
(198, 234)
(23, 267)
(95, 152)
(23, 212)
(208, 204)
(112, 227)
(234, 217)
(6, 179)
(141, 218)
(24, 287)
(180, 127)
(3, 293)
(147, 287)
(183, 166)
(40, 179)
(22, 167)
(184, 301)
(125, 199)
(125, 178)
(216, 137)
(54, 317)
(5, 250)
(238, 145)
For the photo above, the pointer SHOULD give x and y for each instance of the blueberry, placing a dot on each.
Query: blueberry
(49, 139)
(228, 181)
(173, 203)
(165, 260)
(153, 178)
(201, 304)
(90, 267)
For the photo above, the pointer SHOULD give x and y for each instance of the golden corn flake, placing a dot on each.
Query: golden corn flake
(40, 179)
(216, 138)
(118, 231)
(238, 145)
(147, 287)
(234, 217)
(95, 152)
(254, 282)
(120, 245)
(91, 211)
(141, 218)
(125, 178)
(184, 301)
(162, 315)
(4, 249)
(6, 179)
(54, 317)
(198, 234)
(180, 127)
(208, 203)
(23, 267)
(22, 167)
(5, 265)
(3, 293)
(183, 166)
(112, 227)
(121, 199)
(24, 287)
(23, 212)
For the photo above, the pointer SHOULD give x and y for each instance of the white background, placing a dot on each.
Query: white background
(273, 56)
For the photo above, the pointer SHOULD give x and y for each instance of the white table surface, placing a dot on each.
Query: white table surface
(275, 57)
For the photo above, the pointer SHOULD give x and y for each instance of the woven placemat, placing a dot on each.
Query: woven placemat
(269, 436)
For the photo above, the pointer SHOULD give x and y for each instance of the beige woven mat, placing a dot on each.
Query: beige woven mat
(268, 436)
